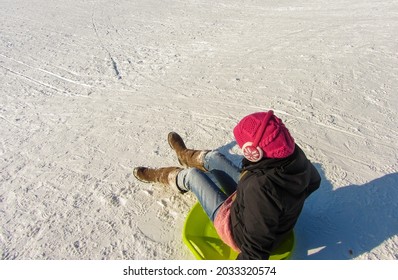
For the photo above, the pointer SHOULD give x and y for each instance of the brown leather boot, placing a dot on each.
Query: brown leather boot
(166, 176)
(186, 157)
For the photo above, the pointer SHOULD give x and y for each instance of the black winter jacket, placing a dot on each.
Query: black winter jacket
(269, 200)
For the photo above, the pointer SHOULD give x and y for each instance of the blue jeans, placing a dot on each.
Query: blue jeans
(211, 188)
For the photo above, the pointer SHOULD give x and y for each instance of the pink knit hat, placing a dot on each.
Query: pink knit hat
(263, 135)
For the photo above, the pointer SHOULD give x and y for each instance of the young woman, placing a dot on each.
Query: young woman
(253, 208)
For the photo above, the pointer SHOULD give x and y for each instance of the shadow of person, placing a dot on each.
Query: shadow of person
(349, 221)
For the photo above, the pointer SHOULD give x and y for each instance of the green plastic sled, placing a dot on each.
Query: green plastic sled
(201, 238)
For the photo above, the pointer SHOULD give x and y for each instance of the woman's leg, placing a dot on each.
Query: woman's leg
(226, 173)
(208, 193)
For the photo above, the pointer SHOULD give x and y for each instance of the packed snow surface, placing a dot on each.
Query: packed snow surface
(90, 89)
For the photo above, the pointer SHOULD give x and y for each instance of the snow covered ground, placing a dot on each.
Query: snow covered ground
(89, 89)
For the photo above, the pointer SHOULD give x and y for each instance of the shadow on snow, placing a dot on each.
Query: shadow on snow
(349, 221)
